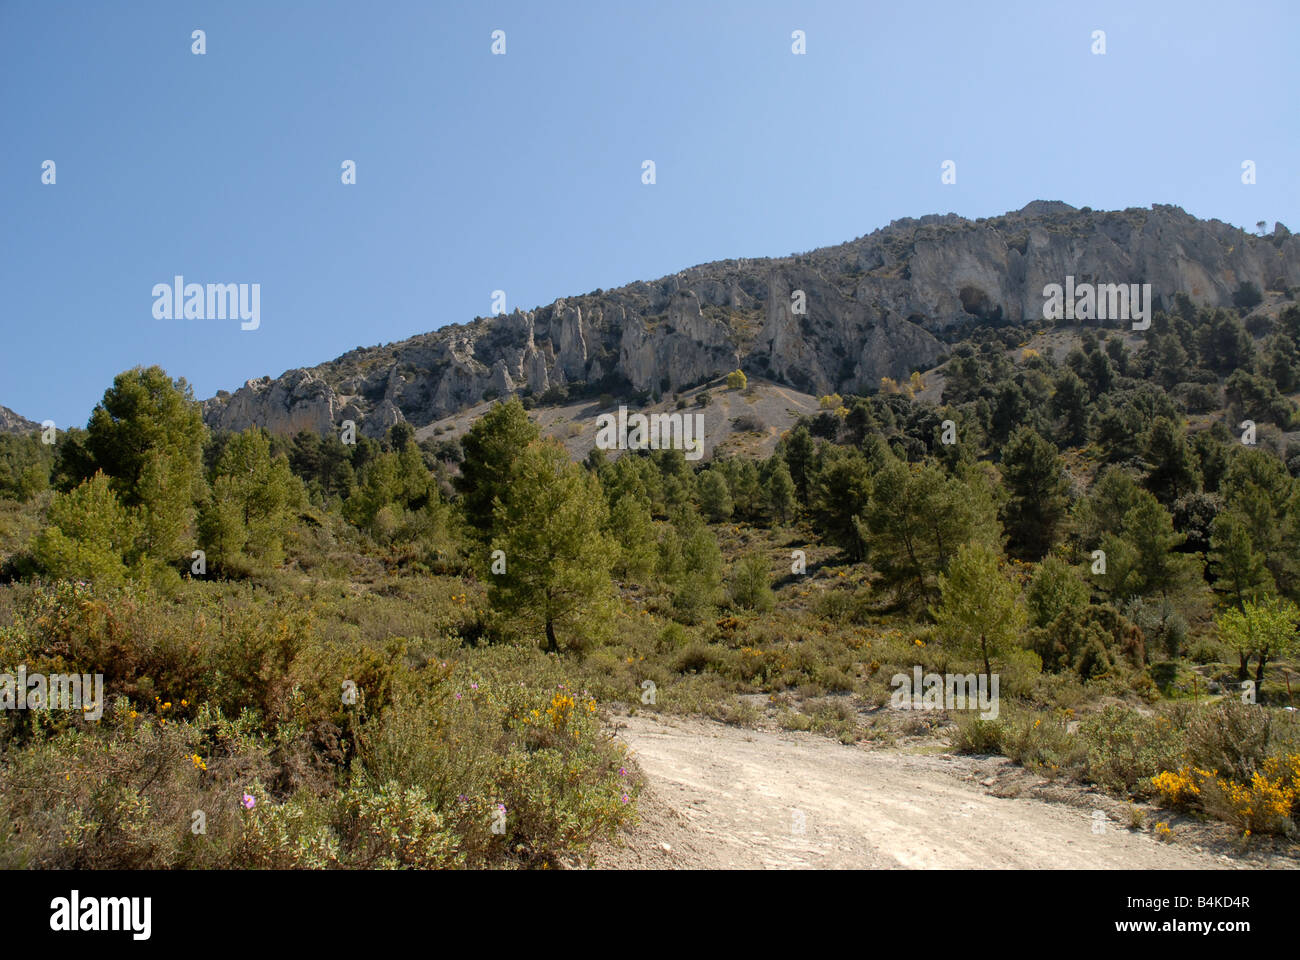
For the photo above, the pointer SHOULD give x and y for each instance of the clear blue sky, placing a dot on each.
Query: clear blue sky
(523, 172)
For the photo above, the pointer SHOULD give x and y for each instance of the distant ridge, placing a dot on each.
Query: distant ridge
(11, 422)
(882, 305)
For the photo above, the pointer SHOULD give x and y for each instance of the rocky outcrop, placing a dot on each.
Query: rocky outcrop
(11, 422)
(299, 400)
(832, 320)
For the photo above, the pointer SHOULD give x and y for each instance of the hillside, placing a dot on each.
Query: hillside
(882, 305)
(745, 423)
(1059, 564)
(11, 422)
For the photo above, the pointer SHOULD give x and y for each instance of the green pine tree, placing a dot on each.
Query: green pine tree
(979, 612)
(551, 528)
(491, 446)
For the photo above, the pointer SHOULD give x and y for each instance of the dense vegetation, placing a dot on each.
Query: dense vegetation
(391, 653)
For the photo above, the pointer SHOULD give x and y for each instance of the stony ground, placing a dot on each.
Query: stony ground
(720, 796)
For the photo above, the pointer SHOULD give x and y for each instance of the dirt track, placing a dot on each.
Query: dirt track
(721, 796)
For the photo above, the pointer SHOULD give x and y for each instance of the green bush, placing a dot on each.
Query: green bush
(751, 584)
(1232, 738)
(1125, 749)
(976, 734)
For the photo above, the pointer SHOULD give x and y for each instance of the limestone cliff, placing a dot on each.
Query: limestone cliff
(881, 305)
(11, 422)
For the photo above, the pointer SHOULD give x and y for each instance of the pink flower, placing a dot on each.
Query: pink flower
(625, 798)
(248, 802)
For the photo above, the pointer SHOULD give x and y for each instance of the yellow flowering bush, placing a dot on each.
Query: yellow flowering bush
(1266, 803)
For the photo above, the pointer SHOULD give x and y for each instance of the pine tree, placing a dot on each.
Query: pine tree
(90, 535)
(978, 612)
(1240, 573)
(147, 437)
(551, 527)
(1112, 496)
(630, 525)
(918, 517)
(839, 492)
(715, 497)
(1070, 404)
(746, 492)
(1038, 487)
(779, 491)
(25, 465)
(1141, 555)
(1171, 468)
(860, 421)
(145, 418)
(798, 455)
(491, 447)
(1260, 492)
(690, 563)
(248, 510)
(1054, 590)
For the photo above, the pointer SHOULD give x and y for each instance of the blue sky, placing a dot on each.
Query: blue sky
(523, 172)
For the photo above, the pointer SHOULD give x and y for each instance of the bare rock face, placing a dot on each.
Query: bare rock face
(682, 349)
(837, 319)
(299, 400)
(11, 422)
(573, 345)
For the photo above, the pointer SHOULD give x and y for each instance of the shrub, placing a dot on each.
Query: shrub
(90, 535)
(1229, 738)
(221, 699)
(976, 734)
(751, 584)
(1266, 803)
(699, 657)
(1032, 739)
(1125, 749)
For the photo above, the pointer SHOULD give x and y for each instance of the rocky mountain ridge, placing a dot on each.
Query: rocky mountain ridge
(881, 305)
(11, 422)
